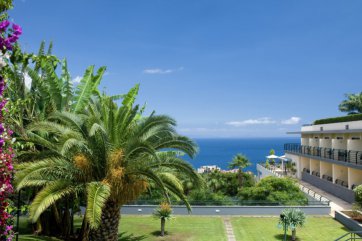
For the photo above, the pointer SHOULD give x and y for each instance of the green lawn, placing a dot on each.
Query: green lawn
(180, 228)
(265, 229)
(199, 228)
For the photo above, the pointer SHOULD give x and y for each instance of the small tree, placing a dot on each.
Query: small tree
(292, 218)
(267, 165)
(163, 212)
(239, 161)
(272, 161)
(357, 206)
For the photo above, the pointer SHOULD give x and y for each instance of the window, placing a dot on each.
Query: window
(339, 138)
(355, 138)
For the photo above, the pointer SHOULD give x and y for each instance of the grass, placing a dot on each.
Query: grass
(180, 228)
(183, 228)
(265, 229)
(206, 228)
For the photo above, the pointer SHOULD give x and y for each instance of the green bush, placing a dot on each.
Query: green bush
(354, 117)
(206, 197)
(283, 191)
(358, 194)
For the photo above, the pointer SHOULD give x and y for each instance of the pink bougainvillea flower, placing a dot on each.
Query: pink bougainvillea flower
(17, 29)
(4, 25)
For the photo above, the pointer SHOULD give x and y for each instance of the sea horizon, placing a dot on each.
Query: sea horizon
(220, 151)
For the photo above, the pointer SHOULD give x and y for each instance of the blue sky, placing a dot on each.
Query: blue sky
(220, 68)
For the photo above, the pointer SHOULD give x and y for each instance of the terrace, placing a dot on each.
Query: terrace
(342, 156)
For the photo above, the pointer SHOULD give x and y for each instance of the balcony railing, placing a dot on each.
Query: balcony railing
(354, 157)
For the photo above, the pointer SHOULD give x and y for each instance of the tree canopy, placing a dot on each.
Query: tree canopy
(352, 104)
(274, 190)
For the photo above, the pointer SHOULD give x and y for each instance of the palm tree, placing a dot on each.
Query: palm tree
(239, 161)
(292, 218)
(110, 154)
(36, 91)
(353, 104)
(214, 181)
(164, 212)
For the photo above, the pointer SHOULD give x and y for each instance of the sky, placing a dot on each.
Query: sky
(222, 69)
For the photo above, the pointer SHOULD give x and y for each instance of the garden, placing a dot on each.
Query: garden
(197, 228)
(73, 156)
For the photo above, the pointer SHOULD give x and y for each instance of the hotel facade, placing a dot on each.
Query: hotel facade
(329, 157)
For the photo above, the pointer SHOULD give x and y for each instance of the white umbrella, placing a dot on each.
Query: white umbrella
(272, 157)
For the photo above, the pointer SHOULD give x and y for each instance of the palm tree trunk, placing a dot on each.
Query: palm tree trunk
(240, 178)
(66, 221)
(57, 217)
(72, 221)
(163, 221)
(294, 232)
(108, 230)
(84, 230)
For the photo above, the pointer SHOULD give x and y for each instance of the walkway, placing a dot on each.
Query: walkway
(335, 202)
(229, 230)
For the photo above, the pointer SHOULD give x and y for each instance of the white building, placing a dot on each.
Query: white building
(329, 157)
(208, 169)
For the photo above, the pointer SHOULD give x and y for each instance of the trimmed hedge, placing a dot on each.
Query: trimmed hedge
(354, 117)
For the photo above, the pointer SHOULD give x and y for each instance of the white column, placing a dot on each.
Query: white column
(349, 178)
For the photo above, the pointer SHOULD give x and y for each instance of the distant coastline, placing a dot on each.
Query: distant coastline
(219, 151)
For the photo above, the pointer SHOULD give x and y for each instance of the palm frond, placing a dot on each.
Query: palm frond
(49, 195)
(86, 87)
(97, 196)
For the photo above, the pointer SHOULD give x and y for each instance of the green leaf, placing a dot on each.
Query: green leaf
(130, 97)
(48, 196)
(86, 88)
(97, 196)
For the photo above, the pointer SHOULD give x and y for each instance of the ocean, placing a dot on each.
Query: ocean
(221, 151)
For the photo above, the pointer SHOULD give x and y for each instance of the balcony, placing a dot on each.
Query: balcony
(340, 155)
(338, 189)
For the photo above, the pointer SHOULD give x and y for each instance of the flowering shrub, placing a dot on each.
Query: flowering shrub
(8, 37)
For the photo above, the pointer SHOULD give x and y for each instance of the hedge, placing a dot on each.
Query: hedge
(354, 117)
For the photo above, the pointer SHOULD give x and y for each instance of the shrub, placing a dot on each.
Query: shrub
(355, 117)
(277, 191)
(206, 197)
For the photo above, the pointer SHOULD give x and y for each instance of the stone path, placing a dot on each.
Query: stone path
(229, 230)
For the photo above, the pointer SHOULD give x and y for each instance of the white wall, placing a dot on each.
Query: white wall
(326, 143)
(354, 177)
(314, 142)
(340, 172)
(295, 159)
(305, 141)
(354, 145)
(326, 169)
(334, 126)
(314, 166)
(339, 144)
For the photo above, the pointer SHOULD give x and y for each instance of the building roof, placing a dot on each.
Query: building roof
(326, 132)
